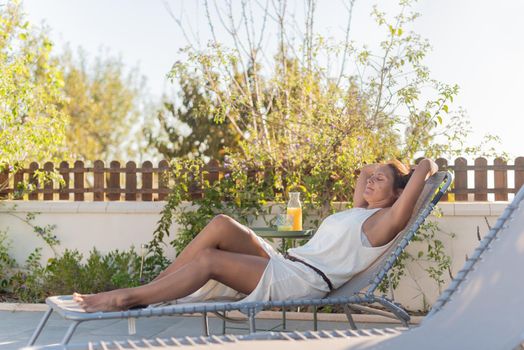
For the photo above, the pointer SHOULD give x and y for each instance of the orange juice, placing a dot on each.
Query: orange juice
(297, 218)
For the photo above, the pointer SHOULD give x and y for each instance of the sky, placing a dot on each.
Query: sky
(476, 44)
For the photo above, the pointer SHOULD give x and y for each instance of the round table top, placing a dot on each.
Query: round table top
(272, 232)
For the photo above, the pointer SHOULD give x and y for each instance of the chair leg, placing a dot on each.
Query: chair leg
(40, 327)
(349, 312)
(205, 325)
(315, 319)
(401, 314)
(69, 333)
(252, 327)
(224, 324)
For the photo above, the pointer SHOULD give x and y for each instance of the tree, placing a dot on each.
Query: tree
(104, 103)
(32, 123)
(186, 129)
(318, 109)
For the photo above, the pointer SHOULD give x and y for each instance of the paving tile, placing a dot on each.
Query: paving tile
(17, 327)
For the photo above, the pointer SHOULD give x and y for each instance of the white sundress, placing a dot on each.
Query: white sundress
(338, 249)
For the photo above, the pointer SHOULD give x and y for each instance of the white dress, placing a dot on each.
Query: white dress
(338, 249)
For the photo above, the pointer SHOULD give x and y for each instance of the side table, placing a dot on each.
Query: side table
(272, 232)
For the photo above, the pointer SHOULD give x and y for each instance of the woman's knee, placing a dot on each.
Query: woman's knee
(207, 260)
(222, 222)
(221, 219)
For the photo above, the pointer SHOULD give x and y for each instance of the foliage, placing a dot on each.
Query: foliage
(294, 116)
(32, 124)
(67, 273)
(26, 282)
(7, 263)
(102, 101)
(236, 195)
(186, 130)
(61, 107)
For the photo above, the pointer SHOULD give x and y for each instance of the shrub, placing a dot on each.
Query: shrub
(67, 273)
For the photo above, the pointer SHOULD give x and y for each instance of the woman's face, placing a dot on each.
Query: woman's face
(380, 187)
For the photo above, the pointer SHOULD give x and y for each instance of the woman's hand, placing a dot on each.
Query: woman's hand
(402, 209)
(365, 174)
(429, 166)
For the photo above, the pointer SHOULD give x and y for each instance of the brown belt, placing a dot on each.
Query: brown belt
(320, 273)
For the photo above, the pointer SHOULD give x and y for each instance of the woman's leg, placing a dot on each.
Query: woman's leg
(223, 233)
(241, 272)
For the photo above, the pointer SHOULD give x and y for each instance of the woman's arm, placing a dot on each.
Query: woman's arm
(358, 196)
(403, 207)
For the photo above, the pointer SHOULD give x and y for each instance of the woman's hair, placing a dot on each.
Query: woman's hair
(401, 173)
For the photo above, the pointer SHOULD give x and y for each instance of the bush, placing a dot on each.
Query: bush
(67, 273)
(6, 262)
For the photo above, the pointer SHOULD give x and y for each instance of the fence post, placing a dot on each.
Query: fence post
(98, 181)
(481, 179)
(130, 181)
(443, 166)
(33, 195)
(519, 173)
(17, 181)
(113, 193)
(163, 179)
(48, 185)
(147, 181)
(4, 182)
(64, 189)
(461, 179)
(213, 172)
(501, 179)
(79, 180)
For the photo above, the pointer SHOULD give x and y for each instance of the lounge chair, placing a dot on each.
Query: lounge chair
(347, 295)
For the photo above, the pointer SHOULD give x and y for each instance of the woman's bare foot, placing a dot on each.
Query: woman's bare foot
(108, 301)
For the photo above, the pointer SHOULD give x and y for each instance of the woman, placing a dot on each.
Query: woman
(228, 259)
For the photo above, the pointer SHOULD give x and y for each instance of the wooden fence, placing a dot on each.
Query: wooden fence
(97, 183)
(471, 181)
(147, 183)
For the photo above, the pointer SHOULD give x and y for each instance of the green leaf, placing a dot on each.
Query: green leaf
(392, 30)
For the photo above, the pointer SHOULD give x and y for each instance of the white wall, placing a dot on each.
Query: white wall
(119, 225)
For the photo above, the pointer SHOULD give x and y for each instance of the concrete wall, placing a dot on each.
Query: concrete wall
(119, 225)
